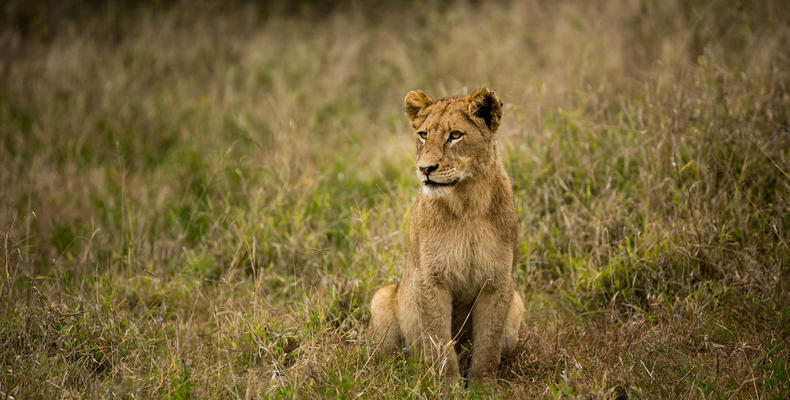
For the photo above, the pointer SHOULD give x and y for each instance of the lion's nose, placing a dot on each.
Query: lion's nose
(427, 170)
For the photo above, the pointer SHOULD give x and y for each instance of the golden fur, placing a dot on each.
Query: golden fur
(457, 283)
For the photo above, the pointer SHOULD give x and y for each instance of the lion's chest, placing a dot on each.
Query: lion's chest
(464, 254)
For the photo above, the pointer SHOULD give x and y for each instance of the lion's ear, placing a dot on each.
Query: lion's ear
(484, 104)
(415, 101)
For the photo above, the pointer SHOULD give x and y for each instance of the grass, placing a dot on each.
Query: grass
(199, 201)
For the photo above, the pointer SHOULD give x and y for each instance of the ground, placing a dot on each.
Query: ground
(199, 201)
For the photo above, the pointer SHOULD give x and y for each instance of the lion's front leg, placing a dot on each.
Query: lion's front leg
(435, 312)
(488, 321)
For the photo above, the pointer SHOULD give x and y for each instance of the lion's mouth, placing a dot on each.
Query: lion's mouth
(437, 184)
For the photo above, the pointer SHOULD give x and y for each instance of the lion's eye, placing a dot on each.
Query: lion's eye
(455, 135)
(422, 135)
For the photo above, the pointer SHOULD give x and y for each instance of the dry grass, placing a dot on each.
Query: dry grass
(199, 202)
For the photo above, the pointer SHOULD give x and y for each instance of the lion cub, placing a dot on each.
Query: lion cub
(463, 243)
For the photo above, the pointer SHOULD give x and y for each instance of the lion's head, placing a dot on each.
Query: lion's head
(454, 136)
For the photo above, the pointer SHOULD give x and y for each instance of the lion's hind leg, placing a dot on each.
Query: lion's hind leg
(384, 328)
(512, 325)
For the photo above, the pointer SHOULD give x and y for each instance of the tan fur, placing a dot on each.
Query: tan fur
(457, 282)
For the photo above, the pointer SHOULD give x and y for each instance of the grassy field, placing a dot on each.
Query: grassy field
(200, 201)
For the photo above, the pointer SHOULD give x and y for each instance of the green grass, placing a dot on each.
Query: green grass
(199, 201)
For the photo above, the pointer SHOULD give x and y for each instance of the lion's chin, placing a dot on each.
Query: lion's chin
(435, 191)
(438, 189)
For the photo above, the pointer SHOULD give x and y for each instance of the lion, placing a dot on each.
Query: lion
(463, 244)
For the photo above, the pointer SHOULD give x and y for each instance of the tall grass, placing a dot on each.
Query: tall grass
(198, 201)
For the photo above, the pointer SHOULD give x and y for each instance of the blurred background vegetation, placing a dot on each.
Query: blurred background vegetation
(198, 199)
